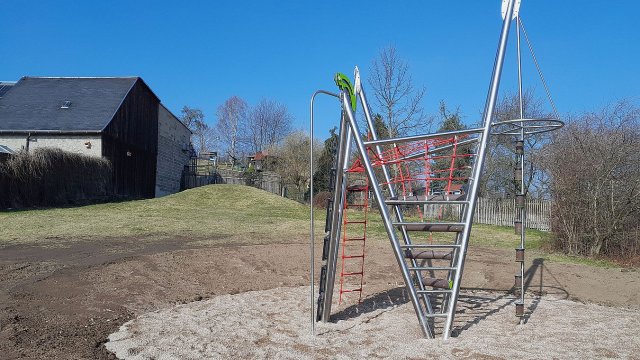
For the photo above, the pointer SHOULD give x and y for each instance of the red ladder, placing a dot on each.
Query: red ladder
(354, 237)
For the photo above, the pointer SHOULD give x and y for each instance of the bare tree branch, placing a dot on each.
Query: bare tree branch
(398, 100)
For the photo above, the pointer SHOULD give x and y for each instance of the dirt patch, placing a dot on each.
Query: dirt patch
(64, 301)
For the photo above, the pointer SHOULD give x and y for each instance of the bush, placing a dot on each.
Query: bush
(594, 166)
(320, 200)
(50, 177)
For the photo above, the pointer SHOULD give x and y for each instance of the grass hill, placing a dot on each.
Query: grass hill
(212, 215)
(217, 211)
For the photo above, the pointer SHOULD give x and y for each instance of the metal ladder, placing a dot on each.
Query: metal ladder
(423, 291)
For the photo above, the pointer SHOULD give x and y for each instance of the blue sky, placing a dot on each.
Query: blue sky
(199, 53)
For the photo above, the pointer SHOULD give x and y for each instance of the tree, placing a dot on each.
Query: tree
(443, 168)
(202, 136)
(399, 101)
(326, 161)
(269, 122)
(231, 125)
(380, 127)
(594, 169)
(501, 156)
(293, 160)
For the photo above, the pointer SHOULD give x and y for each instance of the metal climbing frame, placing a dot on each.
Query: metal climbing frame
(433, 297)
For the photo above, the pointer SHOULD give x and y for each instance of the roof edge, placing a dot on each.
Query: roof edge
(177, 118)
(50, 132)
(79, 77)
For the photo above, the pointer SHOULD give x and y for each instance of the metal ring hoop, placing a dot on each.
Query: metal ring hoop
(530, 126)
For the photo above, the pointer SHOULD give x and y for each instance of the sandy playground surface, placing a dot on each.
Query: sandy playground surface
(275, 324)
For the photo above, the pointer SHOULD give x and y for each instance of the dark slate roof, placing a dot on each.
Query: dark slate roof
(5, 86)
(34, 103)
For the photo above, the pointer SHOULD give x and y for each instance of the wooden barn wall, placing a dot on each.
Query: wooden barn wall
(130, 141)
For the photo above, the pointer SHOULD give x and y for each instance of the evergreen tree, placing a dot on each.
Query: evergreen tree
(326, 162)
(451, 121)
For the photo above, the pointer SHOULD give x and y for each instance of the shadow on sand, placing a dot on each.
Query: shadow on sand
(474, 304)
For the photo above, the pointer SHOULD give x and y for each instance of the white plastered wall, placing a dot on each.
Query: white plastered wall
(83, 144)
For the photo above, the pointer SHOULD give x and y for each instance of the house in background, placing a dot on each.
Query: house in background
(261, 161)
(118, 118)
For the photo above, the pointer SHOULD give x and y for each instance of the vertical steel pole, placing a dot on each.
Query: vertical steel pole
(479, 163)
(311, 236)
(311, 222)
(522, 191)
(386, 217)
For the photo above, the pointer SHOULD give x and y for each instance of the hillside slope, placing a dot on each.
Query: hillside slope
(215, 211)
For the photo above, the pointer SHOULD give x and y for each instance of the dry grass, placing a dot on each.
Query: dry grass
(217, 215)
(243, 213)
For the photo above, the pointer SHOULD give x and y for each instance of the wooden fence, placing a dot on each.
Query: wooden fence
(503, 212)
(197, 174)
(270, 184)
(497, 212)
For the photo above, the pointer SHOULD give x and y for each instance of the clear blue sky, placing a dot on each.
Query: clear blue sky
(199, 53)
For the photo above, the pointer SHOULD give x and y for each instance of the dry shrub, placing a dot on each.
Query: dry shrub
(320, 200)
(50, 177)
(594, 167)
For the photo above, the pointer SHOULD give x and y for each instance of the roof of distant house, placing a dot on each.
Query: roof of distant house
(455, 187)
(260, 155)
(62, 103)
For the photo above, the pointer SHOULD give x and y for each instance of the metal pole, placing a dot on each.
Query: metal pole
(311, 223)
(479, 163)
(451, 133)
(312, 260)
(338, 199)
(521, 160)
(386, 217)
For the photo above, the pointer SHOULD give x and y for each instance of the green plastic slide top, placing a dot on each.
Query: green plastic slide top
(344, 84)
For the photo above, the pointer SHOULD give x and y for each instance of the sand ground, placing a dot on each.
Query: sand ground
(274, 324)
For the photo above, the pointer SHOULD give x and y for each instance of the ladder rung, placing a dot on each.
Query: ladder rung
(355, 222)
(353, 256)
(357, 188)
(426, 268)
(429, 246)
(436, 227)
(351, 290)
(425, 202)
(436, 315)
(435, 291)
(351, 274)
(356, 205)
(437, 283)
(428, 254)
(355, 239)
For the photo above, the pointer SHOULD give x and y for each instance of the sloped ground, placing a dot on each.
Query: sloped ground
(242, 213)
(70, 277)
(274, 324)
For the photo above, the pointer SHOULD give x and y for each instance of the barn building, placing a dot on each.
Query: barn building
(118, 118)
